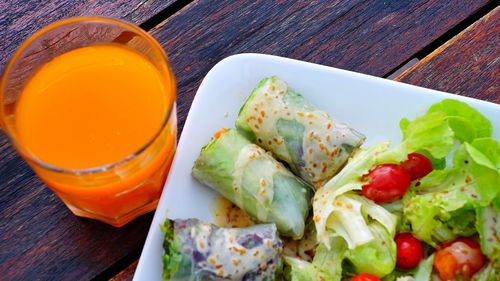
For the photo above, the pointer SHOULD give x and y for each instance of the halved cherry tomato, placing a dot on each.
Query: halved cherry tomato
(365, 277)
(459, 259)
(386, 183)
(410, 251)
(417, 166)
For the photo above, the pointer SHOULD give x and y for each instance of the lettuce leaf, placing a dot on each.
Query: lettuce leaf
(326, 265)
(378, 257)
(443, 205)
(438, 208)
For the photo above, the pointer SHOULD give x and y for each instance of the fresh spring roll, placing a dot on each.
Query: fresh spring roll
(280, 120)
(252, 179)
(200, 251)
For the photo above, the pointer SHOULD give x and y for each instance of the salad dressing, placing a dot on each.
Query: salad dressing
(227, 214)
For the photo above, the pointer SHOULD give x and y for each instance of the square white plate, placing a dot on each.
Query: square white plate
(369, 104)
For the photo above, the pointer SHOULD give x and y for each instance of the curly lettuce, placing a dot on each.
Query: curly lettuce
(439, 207)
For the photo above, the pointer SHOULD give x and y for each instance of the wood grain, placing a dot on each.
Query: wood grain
(40, 239)
(468, 65)
(126, 274)
(20, 18)
(368, 36)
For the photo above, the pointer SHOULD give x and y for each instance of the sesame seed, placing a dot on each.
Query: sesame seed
(259, 120)
(236, 262)
(268, 243)
(263, 114)
(211, 260)
(256, 126)
(328, 126)
(328, 138)
(301, 114)
(316, 218)
(220, 273)
(255, 253)
(348, 206)
(263, 182)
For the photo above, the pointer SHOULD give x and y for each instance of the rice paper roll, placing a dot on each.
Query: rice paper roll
(195, 250)
(280, 120)
(252, 179)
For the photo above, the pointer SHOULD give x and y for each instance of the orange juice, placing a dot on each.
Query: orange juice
(93, 107)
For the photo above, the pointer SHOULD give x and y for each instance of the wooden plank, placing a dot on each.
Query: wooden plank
(40, 239)
(368, 36)
(20, 18)
(468, 65)
(126, 274)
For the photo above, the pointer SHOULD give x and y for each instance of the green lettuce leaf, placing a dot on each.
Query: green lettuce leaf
(466, 122)
(174, 263)
(423, 271)
(377, 257)
(326, 265)
(488, 273)
(488, 225)
(443, 205)
(336, 214)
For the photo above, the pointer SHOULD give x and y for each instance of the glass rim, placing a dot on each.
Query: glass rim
(27, 42)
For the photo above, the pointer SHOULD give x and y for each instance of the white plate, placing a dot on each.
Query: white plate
(369, 104)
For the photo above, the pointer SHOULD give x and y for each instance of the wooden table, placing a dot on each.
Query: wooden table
(456, 44)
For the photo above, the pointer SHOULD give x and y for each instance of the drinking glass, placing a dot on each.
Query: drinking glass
(117, 192)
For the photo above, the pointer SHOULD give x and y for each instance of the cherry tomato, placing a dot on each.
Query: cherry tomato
(365, 277)
(410, 251)
(417, 166)
(386, 183)
(458, 259)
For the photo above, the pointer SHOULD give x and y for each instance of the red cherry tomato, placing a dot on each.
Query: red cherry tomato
(458, 259)
(365, 277)
(417, 166)
(386, 183)
(410, 251)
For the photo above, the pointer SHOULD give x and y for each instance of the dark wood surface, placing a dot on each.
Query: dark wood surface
(41, 240)
(20, 18)
(127, 273)
(468, 64)
(368, 36)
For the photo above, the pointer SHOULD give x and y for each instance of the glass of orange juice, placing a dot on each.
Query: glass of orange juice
(89, 103)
